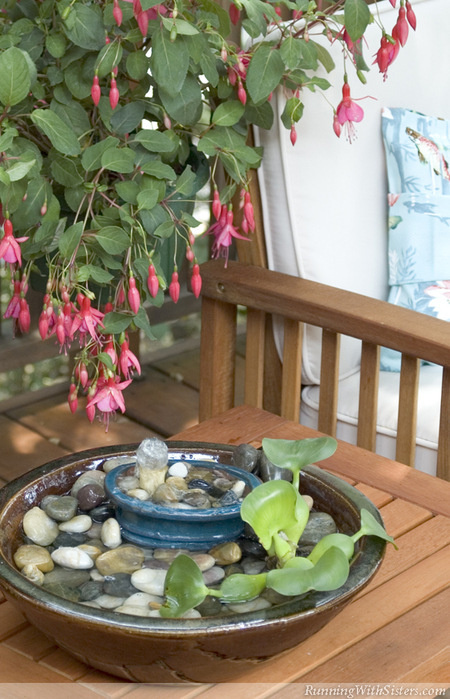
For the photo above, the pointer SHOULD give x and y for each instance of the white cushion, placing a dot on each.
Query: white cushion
(324, 200)
(427, 416)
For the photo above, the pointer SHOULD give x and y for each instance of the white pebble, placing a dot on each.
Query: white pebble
(39, 527)
(179, 468)
(33, 573)
(95, 575)
(72, 557)
(109, 601)
(143, 599)
(128, 483)
(138, 493)
(149, 580)
(134, 610)
(110, 533)
(251, 606)
(95, 531)
(79, 524)
(238, 488)
(191, 614)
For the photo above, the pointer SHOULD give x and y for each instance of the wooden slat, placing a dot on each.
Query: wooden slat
(329, 381)
(368, 396)
(407, 410)
(254, 358)
(218, 341)
(292, 370)
(443, 460)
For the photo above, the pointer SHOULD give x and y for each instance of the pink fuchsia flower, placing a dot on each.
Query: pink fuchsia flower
(86, 320)
(347, 113)
(9, 245)
(134, 298)
(402, 27)
(128, 361)
(152, 281)
(108, 397)
(72, 398)
(23, 319)
(387, 53)
(224, 231)
(13, 307)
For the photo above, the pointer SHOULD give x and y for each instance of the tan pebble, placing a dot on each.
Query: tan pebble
(116, 461)
(203, 560)
(150, 478)
(138, 493)
(31, 554)
(123, 559)
(225, 554)
(33, 573)
(168, 554)
(309, 501)
(110, 533)
(39, 527)
(133, 610)
(177, 482)
(92, 476)
(92, 551)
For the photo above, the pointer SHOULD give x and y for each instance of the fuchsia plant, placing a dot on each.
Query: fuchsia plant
(114, 115)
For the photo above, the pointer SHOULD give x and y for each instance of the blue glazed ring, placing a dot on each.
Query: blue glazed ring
(147, 524)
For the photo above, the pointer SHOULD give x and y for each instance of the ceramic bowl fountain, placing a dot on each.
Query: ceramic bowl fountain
(208, 649)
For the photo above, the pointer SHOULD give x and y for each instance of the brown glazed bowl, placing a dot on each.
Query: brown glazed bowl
(177, 650)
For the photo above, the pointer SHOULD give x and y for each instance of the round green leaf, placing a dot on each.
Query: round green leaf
(356, 18)
(180, 597)
(241, 587)
(169, 61)
(84, 27)
(154, 141)
(15, 80)
(112, 239)
(228, 113)
(264, 73)
(118, 159)
(70, 239)
(108, 58)
(137, 65)
(55, 44)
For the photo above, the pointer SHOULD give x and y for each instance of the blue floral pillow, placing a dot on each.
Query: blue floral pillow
(417, 156)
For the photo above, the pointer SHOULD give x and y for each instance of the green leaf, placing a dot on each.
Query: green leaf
(112, 239)
(184, 105)
(118, 159)
(73, 115)
(180, 597)
(324, 57)
(116, 323)
(356, 18)
(264, 72)
(340, 541)
(147, 198)
(15, 81)
(295, 454)
(137, 64)
(127, 118)
(7, 138)
(169, 61)
(241, 587)
(55, 44)
(154, 141)
(70, 239)
(60, 135)
(64, 171)
(329, 573)
(84, 27)
(186, 182)
(222, 15)
(165, 230)
(181, 26)
(260, 115)
(109, 57)
(371, 527)
(228, 113)
(97, 274)
(19, 169)
(291, 52)
(160, 170)
(92, 156)
(128, 191)
(274, 507)
(141, 321)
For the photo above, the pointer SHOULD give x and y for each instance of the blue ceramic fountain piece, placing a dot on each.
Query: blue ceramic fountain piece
(148, 524)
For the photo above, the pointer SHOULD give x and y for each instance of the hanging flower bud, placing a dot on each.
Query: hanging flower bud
(117, 13)
(81, 373)
(152, 281)
(72, 398)
(24, 316)
(174, 288)
(113, 94)
(402, 28)
(43, 323)
(60, 329)
(293, 135)
(134, 298)
(234, 14)
(410, 15)
(95, 90)
(216, 205)
(189, 254)
(242, 95)
(248, 211)
(196, 281)
(90, 407)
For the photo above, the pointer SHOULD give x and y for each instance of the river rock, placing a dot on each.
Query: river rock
(31, 554)
(122, 559)
(179, 469)
(203, 560)
(253, 605)
(110, 533)
(115, 461)
(134, 610)
(92, 476)
(70, 539)
(90, 590)
(210, 606)
(168, 554)
(78, 524)
(143, 599)
(196, 498)
(101, 513)
(69, 578)
(39, 527)
(72, 594)
(148, 580)
(119, 585)
(139, 493)
(227, 553)
(246, 456)
(90, 495)
(151, 478)
(213, 575)
(166, 494)
(61, 508)
(156, 564)
(93, 551)
(71, 557)
(33, 573)
(319, 525)
(253, 566)
(127, 483)
(109, 602)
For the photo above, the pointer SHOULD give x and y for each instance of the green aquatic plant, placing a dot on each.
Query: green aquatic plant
(278, 514)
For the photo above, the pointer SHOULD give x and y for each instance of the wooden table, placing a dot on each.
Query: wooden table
(396, 631)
